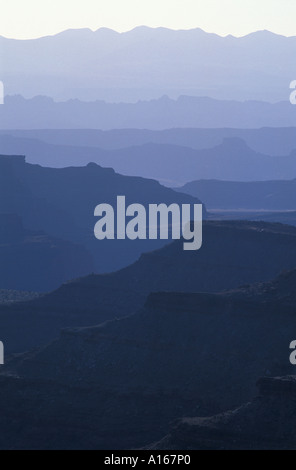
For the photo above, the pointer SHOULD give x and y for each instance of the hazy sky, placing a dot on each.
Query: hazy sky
(33, 18)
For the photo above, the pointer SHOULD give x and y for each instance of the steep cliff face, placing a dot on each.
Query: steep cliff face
(266, 423)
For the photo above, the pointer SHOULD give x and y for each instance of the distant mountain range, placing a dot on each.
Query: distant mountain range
(42, 112)
(146, 63)
(267, 195)
(172, 165)
(269, 141)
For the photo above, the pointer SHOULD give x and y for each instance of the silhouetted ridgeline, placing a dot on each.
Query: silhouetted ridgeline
(61, 202)
(172, 165)
(42, 112)
(266, 423)
(145, 63)
(233, 254)
(269, 141)
(122, 383)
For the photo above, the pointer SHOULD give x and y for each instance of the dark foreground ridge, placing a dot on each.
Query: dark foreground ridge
(122, 383)
(266, 423)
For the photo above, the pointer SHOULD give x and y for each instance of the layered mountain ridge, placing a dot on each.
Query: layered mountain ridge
(142, 372)
(266, 423)
(146, 63)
